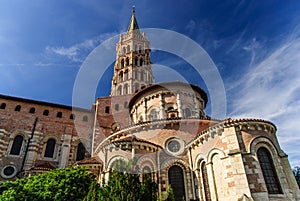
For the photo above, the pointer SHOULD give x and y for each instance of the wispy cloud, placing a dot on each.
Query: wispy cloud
(78, 52)
(271, 90)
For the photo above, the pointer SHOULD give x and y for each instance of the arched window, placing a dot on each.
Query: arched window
(127, 61)
(141, 62)
(128, 48)
(125, 89)
(107, 109)
(176, 180)
(126, 75)
(268, 170)
(85, 118)
(124, 50)
(46, 112)
(135, 61)
(18, 108)
(119, 90)
(117, 107)
(17, 145)
(59, 115)
(153, 114)
(3, 106)
(122, 63)
(146, 173)
(187, 112)
(205, 182)
(121, 76)
(50, 147)
(80, 152)
(72, 116)
(32, 110)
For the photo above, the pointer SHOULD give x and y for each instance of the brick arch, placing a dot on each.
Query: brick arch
(175, 161)
(258, 142)
(199, 159)
(213, 152)
(115, 158)
(146, 161)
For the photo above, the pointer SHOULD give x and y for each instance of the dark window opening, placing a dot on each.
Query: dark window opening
(3, 106)
(85, 118)
(80, 152)
(18, 108)
(17, 145)
(72, 116)
(59, 115)
(117, 107)
(146, 174)
(187, 112)
(46, 112)
(268, 170)
(32, 110)
(205, 181)
(50, 147)
(107, 109)
(175, 175)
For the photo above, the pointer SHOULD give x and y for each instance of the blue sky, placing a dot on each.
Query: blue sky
(254, 44)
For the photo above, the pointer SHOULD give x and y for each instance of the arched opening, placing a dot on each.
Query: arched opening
(59, 115)
(126, 75)
(187, 112)
(72, 116)
(135, 61)
(46, 112)
(176, 180)
(268, 170)
(3, 106)
(127, 61)
(153, 114)
(141, 62)
(124, 50)
(85, 118)
(128, 48)
(17, 145)
(125, 89)
(50, 147)
(80, 152)
(119, 90)
(146, 173)
(32, 110)
(121, 76)
(122, 63)
(205, 182)
(18, 108)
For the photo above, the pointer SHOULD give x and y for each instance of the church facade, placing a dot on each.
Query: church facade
(162, 127)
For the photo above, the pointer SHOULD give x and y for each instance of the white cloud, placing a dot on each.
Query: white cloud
(271, 90)
(78, 52)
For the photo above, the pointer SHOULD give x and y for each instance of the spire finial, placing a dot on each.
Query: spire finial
(133, 22)
(133, 9)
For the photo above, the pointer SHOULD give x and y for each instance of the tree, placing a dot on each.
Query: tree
(296, 172)
(58, 185)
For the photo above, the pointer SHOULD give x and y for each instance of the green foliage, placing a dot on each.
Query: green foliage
(56, 185)
(170, 194)
(296, 172)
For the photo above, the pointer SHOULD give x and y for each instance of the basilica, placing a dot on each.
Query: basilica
(163, 127)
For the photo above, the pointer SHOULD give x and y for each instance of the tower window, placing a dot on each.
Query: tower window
(107, 109)
(17, 145)
(128, 48)
(80, 152)
(46, 112)
(3, 106)
(124, 50)
(127, 61)
(136, 61)
(50, 147)
(72, 116)
(85, 118)
(59, 115)
(141, 62)
(122, 63)
(117, 107)
(18, 108)
(32, 110)
(268, 170)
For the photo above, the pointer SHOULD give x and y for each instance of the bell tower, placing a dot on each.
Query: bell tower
(132, 69)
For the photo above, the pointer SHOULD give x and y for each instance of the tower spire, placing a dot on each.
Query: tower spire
(133, 25)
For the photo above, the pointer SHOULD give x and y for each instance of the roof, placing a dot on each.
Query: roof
(87, 161)
(167, 86)
(24, 100)
(133, 25)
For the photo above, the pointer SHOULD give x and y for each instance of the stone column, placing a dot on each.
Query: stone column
(145, 110)
(196, 106)
(179, 104)
(65, 150)
(161, 107)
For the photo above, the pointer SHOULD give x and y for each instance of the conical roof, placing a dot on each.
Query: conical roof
(133, 25)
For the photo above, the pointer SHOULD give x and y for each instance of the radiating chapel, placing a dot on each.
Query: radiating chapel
(162, 127)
